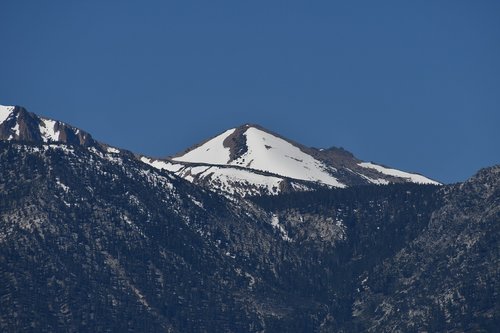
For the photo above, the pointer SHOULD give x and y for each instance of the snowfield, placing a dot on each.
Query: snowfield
(211, 152)
(398, 173)
(265, 152)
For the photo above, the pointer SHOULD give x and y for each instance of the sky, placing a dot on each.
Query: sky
(414, 85)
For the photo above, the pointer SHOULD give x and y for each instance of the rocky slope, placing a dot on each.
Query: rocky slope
(16, 123)
(93, 239)
(447, 278)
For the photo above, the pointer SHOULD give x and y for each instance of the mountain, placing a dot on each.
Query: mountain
(448, 277)
(245, 161)
(251, 160)
(93, 239)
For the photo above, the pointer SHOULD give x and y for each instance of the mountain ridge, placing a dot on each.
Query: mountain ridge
(16, 123)
(237, 161)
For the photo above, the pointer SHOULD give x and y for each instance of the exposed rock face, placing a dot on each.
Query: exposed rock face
(21, 125)
(237, 143)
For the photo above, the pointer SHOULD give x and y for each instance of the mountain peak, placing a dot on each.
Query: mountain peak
(252, 147)
(16, 123)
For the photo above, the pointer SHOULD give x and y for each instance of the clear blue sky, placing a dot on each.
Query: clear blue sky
(410, 84)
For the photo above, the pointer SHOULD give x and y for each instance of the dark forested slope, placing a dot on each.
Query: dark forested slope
(92, 240)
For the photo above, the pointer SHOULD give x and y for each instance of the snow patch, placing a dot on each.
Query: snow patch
(251, 281)
(230, 179)
(227, 179)
(96, 152)
(229, 254)
(198, 169)
(47, 129)
(61, 185)
(196, 202)
(378, 181)
(211, 152)
(162, 165)
(411, 177)
(64, 148)
(112, 150)
(342, 228)
(5, 112)
(275, 222)
(16, 129)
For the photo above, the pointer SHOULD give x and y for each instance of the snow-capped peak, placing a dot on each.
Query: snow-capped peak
(254, 148)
